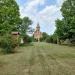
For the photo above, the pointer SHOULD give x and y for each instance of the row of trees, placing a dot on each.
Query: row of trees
(65, 28)
(10, 21)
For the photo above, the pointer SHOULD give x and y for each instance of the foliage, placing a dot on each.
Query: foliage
(44, 36)
(9, 15)
(9, 20)
(27, 39)
(68, 12)
(25, 26)
(54, 36)
(65, 28)
(60, 29)
(52, 39)
(8, 44)
(49, 39)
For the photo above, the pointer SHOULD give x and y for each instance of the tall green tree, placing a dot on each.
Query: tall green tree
(25, 26)
(68, 12)
(61, 29)
(65, 28)
(9, 15)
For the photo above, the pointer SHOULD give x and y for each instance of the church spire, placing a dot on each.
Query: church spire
(38, 27)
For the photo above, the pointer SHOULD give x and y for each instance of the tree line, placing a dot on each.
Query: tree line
(65, 28)
(10, 21)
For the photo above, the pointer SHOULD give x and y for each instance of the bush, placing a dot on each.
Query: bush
(52, 39)
(49, 40)
(27, 39)
(8, 44)
(73, 41)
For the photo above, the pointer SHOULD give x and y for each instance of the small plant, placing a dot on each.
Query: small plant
(8, 44)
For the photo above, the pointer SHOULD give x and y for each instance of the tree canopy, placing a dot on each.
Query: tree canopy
(24, 27)
(9, 15)
(65, 28)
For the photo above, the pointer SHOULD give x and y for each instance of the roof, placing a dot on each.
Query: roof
(15, 33)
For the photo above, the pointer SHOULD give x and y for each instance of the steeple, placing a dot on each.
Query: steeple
(38, 27)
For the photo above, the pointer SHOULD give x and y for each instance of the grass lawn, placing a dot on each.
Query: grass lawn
(39, 59)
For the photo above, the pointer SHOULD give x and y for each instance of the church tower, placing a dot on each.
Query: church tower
(37, 34)
(38, 27)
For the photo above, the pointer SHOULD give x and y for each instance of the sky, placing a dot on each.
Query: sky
(44, 12)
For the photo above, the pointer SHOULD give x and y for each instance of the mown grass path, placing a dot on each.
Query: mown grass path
(39, 59)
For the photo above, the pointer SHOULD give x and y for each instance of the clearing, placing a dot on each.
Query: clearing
(39, 59)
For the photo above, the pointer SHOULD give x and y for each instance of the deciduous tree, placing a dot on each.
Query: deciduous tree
(9, 15)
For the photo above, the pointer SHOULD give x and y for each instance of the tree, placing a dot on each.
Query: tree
(44, 36)
(52, 39)
(68, 12)
(61, 30)
(8, 44)
(65, 28)
(9, 15)
(49, 39)
(9, 20)
(25, 26)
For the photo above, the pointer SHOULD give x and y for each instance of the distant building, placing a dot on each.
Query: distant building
(37, 34)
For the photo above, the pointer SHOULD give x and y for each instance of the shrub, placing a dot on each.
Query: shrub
(8, 44)
(27, 39)
(73, 41)
(49, 40)
(54, 40)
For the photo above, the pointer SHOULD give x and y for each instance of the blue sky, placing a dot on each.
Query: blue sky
(43, 11)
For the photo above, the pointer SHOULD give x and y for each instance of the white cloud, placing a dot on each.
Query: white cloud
(31, 7)
(46, 17)
(60, 2)
(50, 12)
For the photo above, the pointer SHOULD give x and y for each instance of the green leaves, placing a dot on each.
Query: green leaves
(65, 28)
(25, 26)
(9, 15)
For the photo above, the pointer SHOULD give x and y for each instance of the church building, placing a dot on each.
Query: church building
(37, 34)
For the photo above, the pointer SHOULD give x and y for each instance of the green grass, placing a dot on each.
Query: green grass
(39, 59)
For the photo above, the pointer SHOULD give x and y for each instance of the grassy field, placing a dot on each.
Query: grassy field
(39, 59)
